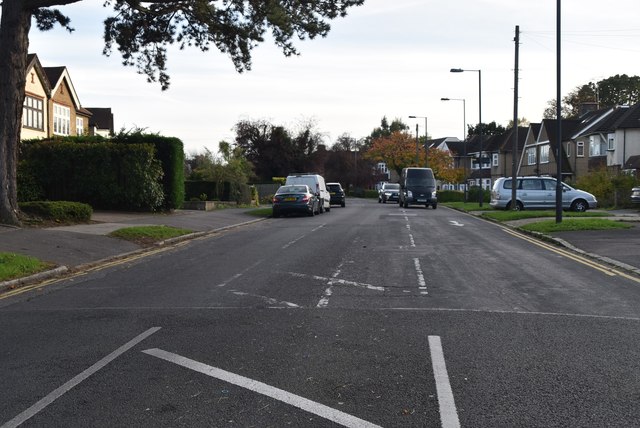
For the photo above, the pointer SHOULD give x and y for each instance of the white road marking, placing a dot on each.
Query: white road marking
(411, 240)
(302, 403)
(290, 243)
(455, 223)
(238, 275)
(448, 412)
(337, 281)
(324, 300)
(422, 284)
(60, 391)
(268, 300)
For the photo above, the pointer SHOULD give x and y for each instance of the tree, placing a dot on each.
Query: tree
(142, 32)
(397, 150)
(487, 129)
(612, 91)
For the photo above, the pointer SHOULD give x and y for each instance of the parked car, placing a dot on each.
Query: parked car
(316, 185)
(389, 192)
(635, 195)
(539, 192)
(418, 186)
(336, 194)
(297, 198)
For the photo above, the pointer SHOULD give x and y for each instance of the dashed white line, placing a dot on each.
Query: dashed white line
(338, 281)
(290, 243)
(307, 405)
(422, 284)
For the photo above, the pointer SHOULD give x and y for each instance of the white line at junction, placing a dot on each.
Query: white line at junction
(448, 412)
(318, 409)
(60, 391)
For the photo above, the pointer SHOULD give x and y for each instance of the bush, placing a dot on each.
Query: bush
(473, 194)
(450, 196)
(611, 188)
(59, 211)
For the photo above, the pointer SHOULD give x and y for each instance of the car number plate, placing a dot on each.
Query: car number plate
(422, 200)
(289, 199)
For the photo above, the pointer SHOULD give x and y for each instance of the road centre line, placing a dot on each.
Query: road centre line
(60, 391)
(446, 402)
(422, 284)
(324, 300)
(239, 274)
(579, 259)
(302, 403)
(269, 300)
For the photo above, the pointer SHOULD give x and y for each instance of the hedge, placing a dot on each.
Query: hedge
(104, 175)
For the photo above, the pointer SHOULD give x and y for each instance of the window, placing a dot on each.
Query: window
(580, 149)
(568, 150)
(544, 154)
(79, 126)
(33, 113)
(531, 184)
(597, 147)
(495, 159)
(531, 156)
(611, 143)
(61, 119)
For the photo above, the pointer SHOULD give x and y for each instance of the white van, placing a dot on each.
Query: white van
(316, 184)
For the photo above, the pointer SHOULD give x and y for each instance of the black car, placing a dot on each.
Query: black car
(294, 199)
(337, 194)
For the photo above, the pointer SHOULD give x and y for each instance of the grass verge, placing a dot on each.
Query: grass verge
(550, 226)
(520, 215)
(467, 206)
(14, 266)
(261, 212)
(148, 235)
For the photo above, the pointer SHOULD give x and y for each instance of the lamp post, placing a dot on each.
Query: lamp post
(464, 139)
(426, 137)
(460, 70)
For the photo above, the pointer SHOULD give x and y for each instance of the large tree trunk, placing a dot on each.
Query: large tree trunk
(14, 45)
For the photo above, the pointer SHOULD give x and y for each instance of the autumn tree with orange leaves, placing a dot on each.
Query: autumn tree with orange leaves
(398, 151)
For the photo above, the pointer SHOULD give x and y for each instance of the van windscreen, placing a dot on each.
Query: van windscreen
(422, 177)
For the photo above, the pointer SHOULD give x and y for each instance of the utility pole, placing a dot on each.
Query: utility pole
(514, 149)
(559, 119)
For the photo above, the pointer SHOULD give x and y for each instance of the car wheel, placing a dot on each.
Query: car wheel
(275, 214)
(379, 200)
(434, 206)
(580, 206)
(328, 208)
(342, 204)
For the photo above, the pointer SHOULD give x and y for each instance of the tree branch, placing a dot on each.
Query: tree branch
(36, 4)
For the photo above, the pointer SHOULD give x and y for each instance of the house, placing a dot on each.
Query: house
(477, 153)
(456, 149)
(502, 156)
(52, 107)
(601, 138)
(101, 121)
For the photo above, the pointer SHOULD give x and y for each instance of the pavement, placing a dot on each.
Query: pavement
(72, 248)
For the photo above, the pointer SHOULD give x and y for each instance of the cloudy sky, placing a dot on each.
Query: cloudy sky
(386, 58)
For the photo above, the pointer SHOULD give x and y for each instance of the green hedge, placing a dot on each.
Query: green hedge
(170, 152)
(103, 174)
(450, 196)
(61, 211)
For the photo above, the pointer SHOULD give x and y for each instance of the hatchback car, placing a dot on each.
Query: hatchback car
(539, 192)
(294, 199)
(336, 194)
(635, 195)
(389, 192)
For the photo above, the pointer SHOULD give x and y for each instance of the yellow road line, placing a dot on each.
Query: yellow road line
(89, 269)
(585, 261)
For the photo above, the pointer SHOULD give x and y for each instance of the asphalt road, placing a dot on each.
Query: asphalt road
(370, 315)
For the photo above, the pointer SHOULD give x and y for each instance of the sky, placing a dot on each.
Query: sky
(386, 58)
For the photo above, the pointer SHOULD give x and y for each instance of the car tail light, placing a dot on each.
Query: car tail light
(305, 198)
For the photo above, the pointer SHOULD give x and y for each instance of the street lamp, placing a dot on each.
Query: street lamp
(460, 70)
(426, 137)
(464, 139)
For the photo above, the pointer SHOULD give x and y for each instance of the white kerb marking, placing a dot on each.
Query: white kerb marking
(448, 412)
(321, 410)
(60, 391)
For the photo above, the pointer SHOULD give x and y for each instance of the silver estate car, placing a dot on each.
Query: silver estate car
(539, 192)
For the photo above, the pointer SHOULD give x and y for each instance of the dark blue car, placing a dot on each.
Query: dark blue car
(296, 198)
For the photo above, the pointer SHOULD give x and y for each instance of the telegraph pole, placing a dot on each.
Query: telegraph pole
(514, 149)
